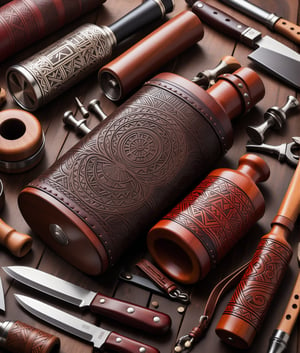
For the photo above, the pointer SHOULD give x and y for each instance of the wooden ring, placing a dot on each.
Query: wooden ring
(21, 141)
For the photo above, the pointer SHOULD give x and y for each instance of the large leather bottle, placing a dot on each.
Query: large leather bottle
(123, 176)
(197, 233)
(24, 22)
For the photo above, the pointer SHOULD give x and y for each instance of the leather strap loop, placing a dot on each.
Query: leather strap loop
(284, 221)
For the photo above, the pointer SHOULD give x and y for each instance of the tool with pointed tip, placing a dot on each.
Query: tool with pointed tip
(131, 314)
(207, 78)
(281, 335)
(98, 336)
(275, 57)
(284, 152)
(276, 23)
(275, 118)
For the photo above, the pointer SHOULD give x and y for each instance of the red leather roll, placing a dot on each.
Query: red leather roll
(197, 233)
(111, 187)
(23, 22)
(134, 66)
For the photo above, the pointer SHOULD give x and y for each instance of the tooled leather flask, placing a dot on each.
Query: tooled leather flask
(123, 176)
(197, 233)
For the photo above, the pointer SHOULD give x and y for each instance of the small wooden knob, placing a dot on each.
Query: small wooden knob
(255, 167)
(17, 243)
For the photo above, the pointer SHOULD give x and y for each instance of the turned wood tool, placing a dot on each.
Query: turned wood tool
(251, 300)
(280, 336)
(275, 118)
(17, 243)
(48, 73)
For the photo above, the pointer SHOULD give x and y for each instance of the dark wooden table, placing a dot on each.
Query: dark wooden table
(59, 139)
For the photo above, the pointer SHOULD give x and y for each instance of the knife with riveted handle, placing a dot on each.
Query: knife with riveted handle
(83, 329)
(270, 54)
(145, 319)
(276, 23)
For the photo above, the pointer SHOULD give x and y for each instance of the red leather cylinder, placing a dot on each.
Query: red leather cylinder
(247, 308)
(24, 22)
(122, 177)
(134, 66)
(197, 233)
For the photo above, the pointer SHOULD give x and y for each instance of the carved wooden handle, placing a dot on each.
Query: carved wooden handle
(17, 243)
(22, 338)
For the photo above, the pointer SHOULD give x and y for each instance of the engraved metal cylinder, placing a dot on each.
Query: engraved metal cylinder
(122, 177)
(199, 231)
(39, 79)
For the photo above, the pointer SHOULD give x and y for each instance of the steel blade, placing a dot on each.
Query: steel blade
(2, 298)
(64, 321)
(278, 59)
(254, 11)
(51, 285)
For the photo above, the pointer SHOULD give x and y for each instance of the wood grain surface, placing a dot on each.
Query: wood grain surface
(59, 139)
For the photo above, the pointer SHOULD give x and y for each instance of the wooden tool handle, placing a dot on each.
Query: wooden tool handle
(22, 338)
(290, 206)
(288, 29)
(17, 243)
(292, 310)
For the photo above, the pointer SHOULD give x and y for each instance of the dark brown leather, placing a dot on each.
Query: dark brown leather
(24, 22)
(134, 66)
(125, 174)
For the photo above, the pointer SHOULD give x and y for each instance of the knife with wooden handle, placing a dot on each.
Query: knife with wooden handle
(276, 23)
(134, 315)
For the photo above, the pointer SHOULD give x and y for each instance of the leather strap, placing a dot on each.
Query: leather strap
(163, 282)
(185, 343)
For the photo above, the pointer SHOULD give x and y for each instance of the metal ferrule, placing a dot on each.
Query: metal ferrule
(4, 330)
(24, 164)
(250, 36)
(278, 342)
(162, 6)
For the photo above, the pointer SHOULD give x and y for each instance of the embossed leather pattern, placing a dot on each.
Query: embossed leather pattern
(23, 22)
(124, 175)
(223, 212)
(252, 297)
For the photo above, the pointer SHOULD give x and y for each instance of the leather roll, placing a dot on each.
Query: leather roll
(129, 70)
(120, 179)
(25, 22)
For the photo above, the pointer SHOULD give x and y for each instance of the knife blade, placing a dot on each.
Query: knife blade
(131, 314)
(276, 23)
(2, 298)
(275, 57)
(91, 333)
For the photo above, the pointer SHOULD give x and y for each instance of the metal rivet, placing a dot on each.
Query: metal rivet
(102, 301)
(240, 85)
(142, 349)
(155, 304)
(118, 339)
(181, 309)
(229, 338)
(246, 95)
(130, 310)
(156, 319)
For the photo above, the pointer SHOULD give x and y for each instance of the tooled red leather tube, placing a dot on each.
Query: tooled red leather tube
(197, 233)
(120, 179)
(129, 70)
(246, 310)
(24, 22)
